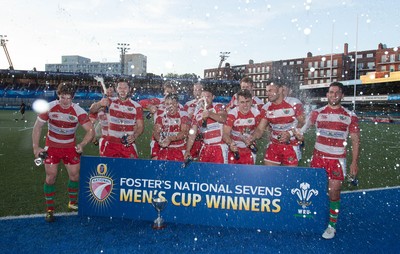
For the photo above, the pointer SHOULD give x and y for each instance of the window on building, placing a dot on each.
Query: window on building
(334, 71)
(383, 59)
(383, 68)
(309, 65)
(392, 58)
(315, 74)
(328, 63)
(284, 63)
(359, 56)
(321, 73)
(316, 64)
(392, 68)
(299, 62)
(371, 65)
(370, 55)
(322, 63)
(360, 66)
(335, 62)
(328, 73)
(291, 63)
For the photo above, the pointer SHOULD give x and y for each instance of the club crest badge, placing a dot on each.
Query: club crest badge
(101, 185)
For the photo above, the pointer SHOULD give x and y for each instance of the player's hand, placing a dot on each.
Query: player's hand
(104, 102)
(354, 168)
(186, 155)
(284, 137)
(205, 114)
(165, 142)
(79, 148)
(152, 109)
(299, 136)
(233, 147)
(37, 150)
(131, 139)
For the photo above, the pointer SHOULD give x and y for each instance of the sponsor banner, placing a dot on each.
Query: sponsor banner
(362, 98)
(259, 197)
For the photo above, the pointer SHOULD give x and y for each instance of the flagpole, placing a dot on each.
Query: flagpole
(355, 69)
(330, 76)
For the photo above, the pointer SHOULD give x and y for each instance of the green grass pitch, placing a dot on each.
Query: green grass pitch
(21, 182)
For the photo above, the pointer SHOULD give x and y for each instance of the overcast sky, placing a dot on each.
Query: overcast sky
(180, 36)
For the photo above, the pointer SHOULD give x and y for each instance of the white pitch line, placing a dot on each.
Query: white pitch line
(24, 129)
(373, 189)
(29, 216)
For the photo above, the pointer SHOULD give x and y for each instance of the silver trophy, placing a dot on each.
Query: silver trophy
(159, 204)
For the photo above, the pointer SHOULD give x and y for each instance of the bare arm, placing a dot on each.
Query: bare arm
(36, 133)
(220, 117)
(355, 142)
(181, 135)
(259, 131)
(139, 129)
(226, 136)
(88, 127)
(96, 106)
(191, 138)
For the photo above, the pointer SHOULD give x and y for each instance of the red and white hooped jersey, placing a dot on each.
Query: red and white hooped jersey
(171, 126)
(241, 124)
(122, 118)
(62, 124)
(191, 106)
(257, 102)
(282, 117)
(212, 134)
(333, 127)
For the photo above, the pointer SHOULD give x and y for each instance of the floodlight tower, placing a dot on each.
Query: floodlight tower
(223, 56)
(3, 41)
(123, 47)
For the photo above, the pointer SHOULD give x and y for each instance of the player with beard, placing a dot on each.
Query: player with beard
(334, 123)
(284, 120)
(125, 123)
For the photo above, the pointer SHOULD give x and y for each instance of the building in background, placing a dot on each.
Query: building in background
(368, 75)
(134, 65)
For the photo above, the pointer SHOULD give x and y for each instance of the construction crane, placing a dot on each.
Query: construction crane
(223, 56)
(3, 40)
